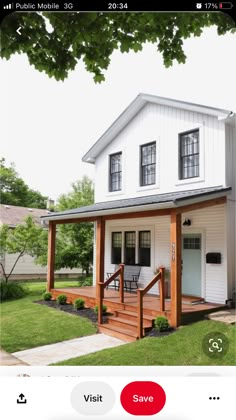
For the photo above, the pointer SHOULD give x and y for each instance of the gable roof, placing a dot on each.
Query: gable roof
(15, 215)
(135, 106)
(150, 202)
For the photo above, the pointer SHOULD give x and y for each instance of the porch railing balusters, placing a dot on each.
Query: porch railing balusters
(142, 292)
(104, 284)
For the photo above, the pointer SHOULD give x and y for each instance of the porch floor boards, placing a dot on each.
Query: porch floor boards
(150, 303)
(123, 322)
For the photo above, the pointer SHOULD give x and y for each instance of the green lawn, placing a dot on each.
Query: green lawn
(178, 349)
(25, 324)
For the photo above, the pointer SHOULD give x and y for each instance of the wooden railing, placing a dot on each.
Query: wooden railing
(142, 292)
(103, 285)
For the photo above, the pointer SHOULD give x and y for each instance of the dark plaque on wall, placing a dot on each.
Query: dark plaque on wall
(213, 258)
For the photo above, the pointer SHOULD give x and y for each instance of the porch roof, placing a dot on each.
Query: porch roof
(136, 204)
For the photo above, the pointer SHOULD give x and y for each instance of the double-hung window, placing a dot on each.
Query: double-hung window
(134, 248)
(189, 154)
(148, 164)
(115, 172)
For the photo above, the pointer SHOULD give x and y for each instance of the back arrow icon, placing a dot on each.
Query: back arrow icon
(18, 30)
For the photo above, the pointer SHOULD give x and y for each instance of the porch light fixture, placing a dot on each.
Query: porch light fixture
(187, 222)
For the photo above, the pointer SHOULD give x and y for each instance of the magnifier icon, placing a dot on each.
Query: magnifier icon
(215, 345)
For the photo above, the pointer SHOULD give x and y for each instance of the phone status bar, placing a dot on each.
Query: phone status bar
(125, 6)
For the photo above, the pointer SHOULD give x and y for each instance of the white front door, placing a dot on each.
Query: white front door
(191, 268)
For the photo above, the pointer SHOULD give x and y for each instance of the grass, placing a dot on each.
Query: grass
(36, 287)
(182, 348)
(25, 324)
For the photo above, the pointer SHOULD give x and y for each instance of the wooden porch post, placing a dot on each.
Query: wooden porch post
(51, 255)
(162, 289)
(140, 312)
(100, 247)
(122, 266)
(175, 250)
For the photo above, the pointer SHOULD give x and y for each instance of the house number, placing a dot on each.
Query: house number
(173, 251)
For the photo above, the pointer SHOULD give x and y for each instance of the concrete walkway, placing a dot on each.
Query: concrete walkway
(7, 359)
(53, 353)
(228, 316)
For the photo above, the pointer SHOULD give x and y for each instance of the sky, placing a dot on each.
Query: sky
(47, 126)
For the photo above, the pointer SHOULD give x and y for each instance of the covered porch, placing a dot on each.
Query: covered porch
(141, 307)
(151, 306)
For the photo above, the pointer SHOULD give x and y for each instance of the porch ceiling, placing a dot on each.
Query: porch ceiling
(168, 201)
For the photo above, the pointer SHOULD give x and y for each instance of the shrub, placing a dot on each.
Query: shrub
(12, 290)
(47, 296)
(85, 281)
(79, 303)
(104, 309)
(161, 323)
(61, 299)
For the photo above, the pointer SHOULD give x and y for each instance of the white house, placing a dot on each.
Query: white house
(165, 191)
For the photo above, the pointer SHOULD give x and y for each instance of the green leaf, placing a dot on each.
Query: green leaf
(93, 37)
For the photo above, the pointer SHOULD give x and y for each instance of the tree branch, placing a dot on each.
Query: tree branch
(3, 271)
(19, 256)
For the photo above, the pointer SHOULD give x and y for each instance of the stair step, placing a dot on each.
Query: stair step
(128, 323)
(132, 315)
(146, 311)
(118, 332)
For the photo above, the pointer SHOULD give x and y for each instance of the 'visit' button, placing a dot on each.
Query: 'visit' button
(143, 398)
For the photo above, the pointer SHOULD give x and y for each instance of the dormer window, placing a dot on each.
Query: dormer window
(189, 154)
(115, 172)
(148, 164)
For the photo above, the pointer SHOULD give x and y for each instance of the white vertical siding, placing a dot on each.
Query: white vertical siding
(231, 246)
(230, 151)
(209, 222)
(163, 124)
(160, 233)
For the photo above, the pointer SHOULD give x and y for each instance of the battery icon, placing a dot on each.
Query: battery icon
(226, 5)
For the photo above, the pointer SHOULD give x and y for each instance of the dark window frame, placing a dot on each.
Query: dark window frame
(130, 256)
(144, 252)
(143, 167)
(116, 256)
(115, 173)
(194, 156)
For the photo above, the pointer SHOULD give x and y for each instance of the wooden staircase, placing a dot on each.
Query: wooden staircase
(123, 324)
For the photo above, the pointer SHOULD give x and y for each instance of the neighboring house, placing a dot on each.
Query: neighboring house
(25, 267)
(165, 191)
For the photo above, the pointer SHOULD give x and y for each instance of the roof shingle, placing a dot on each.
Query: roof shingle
(15, 215)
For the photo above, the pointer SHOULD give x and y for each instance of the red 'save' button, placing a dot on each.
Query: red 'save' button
(143, 398)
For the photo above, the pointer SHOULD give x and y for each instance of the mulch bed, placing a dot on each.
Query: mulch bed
(92, 316)
(85, 313)
(155, 333)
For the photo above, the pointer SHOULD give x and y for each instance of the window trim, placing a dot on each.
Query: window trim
(127, 229)
(110, 174)
(195, 177)
(141, 184)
